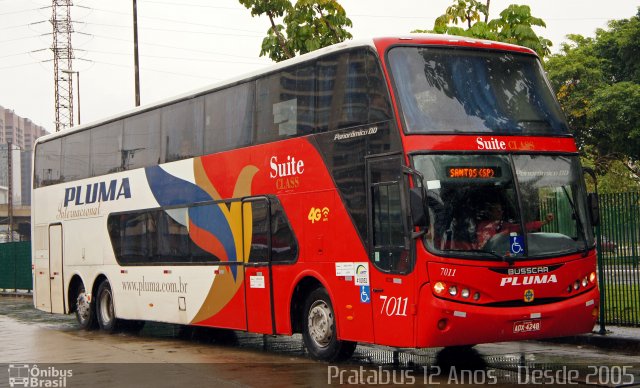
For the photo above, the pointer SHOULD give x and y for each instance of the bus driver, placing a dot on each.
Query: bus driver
(495, 224)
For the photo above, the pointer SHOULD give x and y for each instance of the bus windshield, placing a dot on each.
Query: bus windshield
(479, 205)
(473, 91)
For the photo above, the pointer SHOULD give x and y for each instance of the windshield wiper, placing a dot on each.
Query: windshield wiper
(582, 231)
(506, 259)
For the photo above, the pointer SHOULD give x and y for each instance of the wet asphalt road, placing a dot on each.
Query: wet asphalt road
(51, 348)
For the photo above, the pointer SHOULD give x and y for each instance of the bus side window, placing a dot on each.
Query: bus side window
(259, 231)
(286, 104)
(106, 148)
(271, 230)
(48, 163)
(182, 126)
(229, 118)
(141, 146)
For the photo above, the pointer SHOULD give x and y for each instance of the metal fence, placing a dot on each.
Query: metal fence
(15, 266)
(619, 251)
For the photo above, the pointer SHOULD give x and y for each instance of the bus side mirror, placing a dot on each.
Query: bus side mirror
(594, 208)
(418, 212)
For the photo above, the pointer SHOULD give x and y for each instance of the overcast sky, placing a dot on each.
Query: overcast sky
(189, 44)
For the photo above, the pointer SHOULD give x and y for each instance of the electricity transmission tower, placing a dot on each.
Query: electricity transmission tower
(62, 60)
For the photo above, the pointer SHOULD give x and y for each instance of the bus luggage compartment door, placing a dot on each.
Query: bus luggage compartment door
(55, 268)
(257, 269)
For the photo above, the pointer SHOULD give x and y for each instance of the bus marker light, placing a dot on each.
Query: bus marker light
(166, 271)
(453, 290)
(443, 323)
(349, 318)
(439, 287)
(592, 277)
(123, 271)
(595, 312)
(349, 307)
(150, 304)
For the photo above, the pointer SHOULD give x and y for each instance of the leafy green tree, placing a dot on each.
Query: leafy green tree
(515, 24)
(598, 85)
(308, 25)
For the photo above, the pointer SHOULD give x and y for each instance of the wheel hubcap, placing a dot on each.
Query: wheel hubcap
(106, 307)
(320, 323)
(83, 307)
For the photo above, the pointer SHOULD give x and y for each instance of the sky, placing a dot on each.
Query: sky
(187, 45)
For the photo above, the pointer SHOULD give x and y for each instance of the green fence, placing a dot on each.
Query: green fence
(15, 266)
(618, 258)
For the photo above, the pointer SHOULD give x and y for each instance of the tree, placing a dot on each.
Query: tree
(514, 25)
(598, 85)
(308, 25)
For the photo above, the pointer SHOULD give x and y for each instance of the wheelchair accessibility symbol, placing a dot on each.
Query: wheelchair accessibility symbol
(516, 243)
(365, 295)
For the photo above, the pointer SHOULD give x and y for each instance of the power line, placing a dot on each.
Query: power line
(22, 25)
(23, 10)
(191, 23)
(23, 53)
(177, 58)
(153, 70)
(173, 30)
(156, 44)
(194, 5)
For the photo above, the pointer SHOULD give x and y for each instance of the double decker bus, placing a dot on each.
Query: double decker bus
(339, 195)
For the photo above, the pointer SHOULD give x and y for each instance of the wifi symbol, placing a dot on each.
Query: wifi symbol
(325, 213)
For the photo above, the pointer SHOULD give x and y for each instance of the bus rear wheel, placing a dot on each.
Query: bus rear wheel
(85, 309)
(105, 311)
(319, 329)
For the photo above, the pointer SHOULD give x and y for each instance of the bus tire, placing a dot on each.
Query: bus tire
(105, 311)
(319, 329)
(85, 309)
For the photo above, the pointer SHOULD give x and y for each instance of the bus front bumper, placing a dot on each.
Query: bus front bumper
(446, 323)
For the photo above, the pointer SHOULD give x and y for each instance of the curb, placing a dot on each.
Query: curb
(604, 341)
(17, 294)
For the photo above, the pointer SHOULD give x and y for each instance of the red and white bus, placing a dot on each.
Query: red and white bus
(342, 195)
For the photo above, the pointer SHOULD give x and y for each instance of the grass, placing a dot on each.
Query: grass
(622, 304)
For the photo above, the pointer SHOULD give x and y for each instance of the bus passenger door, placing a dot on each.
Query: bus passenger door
(392, 290)
(56, 283)
(256, 215)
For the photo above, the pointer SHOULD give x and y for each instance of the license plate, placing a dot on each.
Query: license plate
(527, 326)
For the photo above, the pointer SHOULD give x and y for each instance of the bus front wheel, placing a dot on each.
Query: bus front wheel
(105, 311)
(319, 329)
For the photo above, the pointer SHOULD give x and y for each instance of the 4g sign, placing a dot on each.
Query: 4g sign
(317, 214)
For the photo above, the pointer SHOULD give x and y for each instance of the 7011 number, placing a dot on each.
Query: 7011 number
(394, 306)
